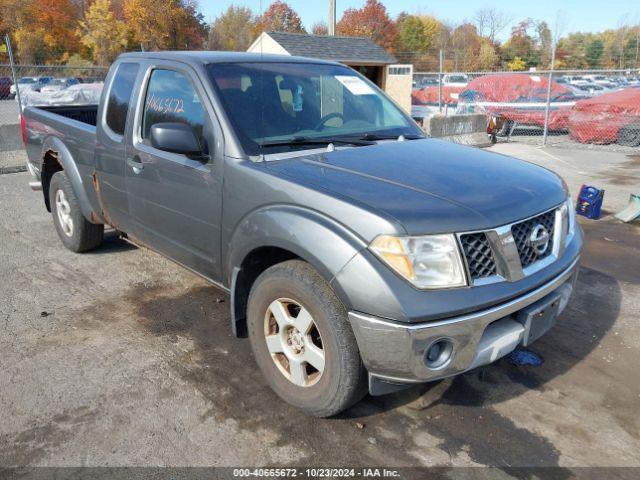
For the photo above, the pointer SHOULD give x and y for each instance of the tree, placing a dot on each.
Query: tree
(45, 30)
(233, 30)
(419, 39)
(571, 50)
(320, 28)
(105, 36)
(465, 43)
(411, 34)
(521, 44)
(11, 15)
(594, 52)
(543, 45)
(280, 17)
(165, 24)
(491, 22)
(80, 67)
(487, 57)
(517, 64)
(370, 21)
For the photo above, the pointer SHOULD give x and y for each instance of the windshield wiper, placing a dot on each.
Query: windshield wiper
(295, 141)
(374, 136)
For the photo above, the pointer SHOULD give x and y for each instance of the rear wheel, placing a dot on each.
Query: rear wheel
(629, 136)
(76, 233)
(302, 340)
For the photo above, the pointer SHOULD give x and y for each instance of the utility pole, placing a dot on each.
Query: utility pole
(332, 17)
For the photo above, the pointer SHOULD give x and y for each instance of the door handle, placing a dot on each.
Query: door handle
(136, 164)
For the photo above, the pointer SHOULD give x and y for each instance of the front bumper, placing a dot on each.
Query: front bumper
(394, 353)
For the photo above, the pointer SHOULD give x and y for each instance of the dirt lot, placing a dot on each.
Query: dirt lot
(121, 358)
(8, 111)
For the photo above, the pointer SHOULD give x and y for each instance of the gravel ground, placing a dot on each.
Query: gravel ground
(13, 162)
(8, 112)
(121, 358)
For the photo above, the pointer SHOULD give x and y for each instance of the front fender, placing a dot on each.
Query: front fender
(64, 157)
(310, 235)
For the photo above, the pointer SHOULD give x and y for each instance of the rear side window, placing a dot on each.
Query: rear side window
(171, 97)
(120, 95)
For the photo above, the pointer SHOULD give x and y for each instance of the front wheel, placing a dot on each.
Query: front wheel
(302, 340)
(76, 233)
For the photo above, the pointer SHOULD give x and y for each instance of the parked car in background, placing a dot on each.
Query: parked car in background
(590, 89)
(5, 87)
(45, 79)
(518, 99)
(41, 82)
(90, 79)
(358, 254)
(603, 81)
(612, 117)
(576, 79)
(425, 101)
(23, 83)
(455, 80)
(427, 82)
(576, 90)
(58, 84)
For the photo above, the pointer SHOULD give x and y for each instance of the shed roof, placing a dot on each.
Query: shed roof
(353, 50)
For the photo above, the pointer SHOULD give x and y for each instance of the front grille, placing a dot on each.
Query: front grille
(522, 232)
(478, 254)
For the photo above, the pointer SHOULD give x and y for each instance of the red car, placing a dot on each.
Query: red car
(5, 87)
(608, 118)
(518, 98)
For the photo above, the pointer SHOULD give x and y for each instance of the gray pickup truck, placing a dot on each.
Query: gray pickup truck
(359, 256)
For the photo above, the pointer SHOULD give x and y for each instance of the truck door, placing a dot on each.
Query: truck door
(176, 201)
(110, 145)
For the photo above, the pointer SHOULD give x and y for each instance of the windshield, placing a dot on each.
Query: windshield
(26, 80)
(272, 103)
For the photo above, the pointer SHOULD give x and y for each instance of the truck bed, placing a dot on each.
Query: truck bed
(68, 130)
(81, 113)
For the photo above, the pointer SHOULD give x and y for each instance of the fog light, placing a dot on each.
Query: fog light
(439, 354)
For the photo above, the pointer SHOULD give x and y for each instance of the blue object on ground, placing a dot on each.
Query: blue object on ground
(589, 202)
(525, 357)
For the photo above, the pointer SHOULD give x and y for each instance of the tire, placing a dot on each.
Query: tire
(298, 288)
(75, 232)
(629, 136)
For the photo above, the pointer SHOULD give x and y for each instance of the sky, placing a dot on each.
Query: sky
(577, 15)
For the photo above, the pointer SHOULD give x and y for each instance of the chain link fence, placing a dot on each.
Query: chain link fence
(35, 78)
(575, 109)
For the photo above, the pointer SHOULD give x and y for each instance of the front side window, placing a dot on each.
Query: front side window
(120, 96)
(273, 102)
(171, 97)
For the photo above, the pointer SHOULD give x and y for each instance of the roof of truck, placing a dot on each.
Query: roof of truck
(205, 56)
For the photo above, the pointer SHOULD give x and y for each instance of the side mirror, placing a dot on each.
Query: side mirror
(175, 138)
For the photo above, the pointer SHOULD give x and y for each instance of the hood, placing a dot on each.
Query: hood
(430, 186)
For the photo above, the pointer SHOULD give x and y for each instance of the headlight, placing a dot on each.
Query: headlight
(431, 261)
(571, 216)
